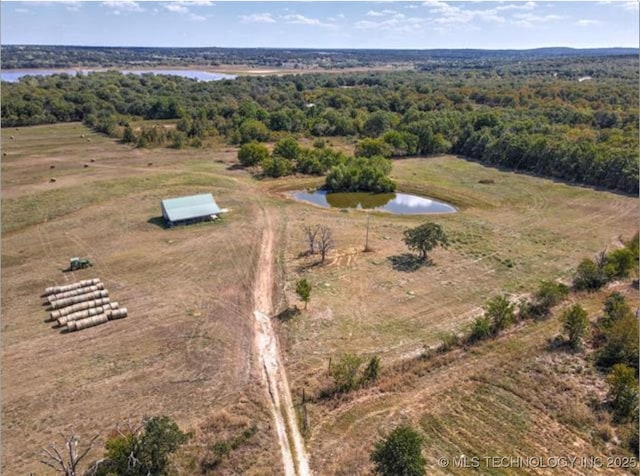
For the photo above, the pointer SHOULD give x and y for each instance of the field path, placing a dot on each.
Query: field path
(294, 456)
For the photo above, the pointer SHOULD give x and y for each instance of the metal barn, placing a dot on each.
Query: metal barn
(190, 209)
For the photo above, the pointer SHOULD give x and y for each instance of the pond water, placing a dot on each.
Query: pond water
(13, 75)
(396, 203)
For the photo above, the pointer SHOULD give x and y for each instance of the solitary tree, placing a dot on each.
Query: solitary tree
(424, 238)
(399, 454)
(575, 323)
(287, 148)
(325, 241)
(623, 391)
(310, 235)
(303, 289)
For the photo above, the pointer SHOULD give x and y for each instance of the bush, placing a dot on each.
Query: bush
(619, 263)
(287, 148)
(399, 454)
(373, 147)
(481, 329)
(252, 154)
(253, 130)
(150, 446)
(588, 276)
(276, 167)
(501, 312)
(448, 341)
(620, 343)
(345, 372)
(575, 323)
(623, 392)
(615, 308)
(371, 371)
(548, 295)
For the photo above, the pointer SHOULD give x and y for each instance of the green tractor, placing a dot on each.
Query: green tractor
(78, 263)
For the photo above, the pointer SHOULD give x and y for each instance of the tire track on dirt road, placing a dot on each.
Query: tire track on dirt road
(294, 455)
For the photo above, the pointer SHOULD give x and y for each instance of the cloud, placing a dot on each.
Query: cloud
(258, 18)
(180, 8)
(22, 10)
(633, 5)
(119, 6)
(587, 22)
(297, 19)
(176, 8)
(373, 13)
(397, 23)
(447, 14)
(529, 19)
(517, 6)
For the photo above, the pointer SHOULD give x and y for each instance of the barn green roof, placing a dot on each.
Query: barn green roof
(190, 207)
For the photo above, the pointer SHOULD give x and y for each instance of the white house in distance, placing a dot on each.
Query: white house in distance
(190, 209)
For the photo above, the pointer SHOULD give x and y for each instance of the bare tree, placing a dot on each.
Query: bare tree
(67, 464)
(310, 234)
(325, 240)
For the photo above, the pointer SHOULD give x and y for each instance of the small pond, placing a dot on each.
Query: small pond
(396, 203)
(13, 75)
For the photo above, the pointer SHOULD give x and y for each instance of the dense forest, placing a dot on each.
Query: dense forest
(51, 56)
(572, 119)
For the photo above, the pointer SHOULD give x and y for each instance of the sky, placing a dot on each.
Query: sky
(323, 24)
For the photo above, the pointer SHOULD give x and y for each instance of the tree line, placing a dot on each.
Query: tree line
(551, 125)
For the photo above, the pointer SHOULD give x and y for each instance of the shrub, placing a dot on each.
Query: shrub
(345, 372)
(143, 452)
(575, 323)
(623, 392)
(252, 153)
(399, 454)
(501, 312)
(481, 329)
(372, 370)
(287, 148)
(619, 263)
(620, 343)
(372, 148)
(588, 276)
(276, 167)
(548, 295)
(303, 290)
(360, 174)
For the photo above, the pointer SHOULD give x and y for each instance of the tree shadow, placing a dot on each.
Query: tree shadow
(406, 262)
(236, 167)
(158, 221)
(288, 314)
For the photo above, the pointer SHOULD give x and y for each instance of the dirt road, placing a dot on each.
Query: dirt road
(294, 455)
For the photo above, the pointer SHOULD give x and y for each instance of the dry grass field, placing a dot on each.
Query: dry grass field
(507, 236)
(186, 348)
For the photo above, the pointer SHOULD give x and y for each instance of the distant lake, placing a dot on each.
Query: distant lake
(396, 203)
(13, 75)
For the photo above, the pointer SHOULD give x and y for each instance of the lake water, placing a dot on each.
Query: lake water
(396, 203)
(13, 75)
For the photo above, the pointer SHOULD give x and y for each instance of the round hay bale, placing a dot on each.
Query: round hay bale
(52, 166)
(52, 180)
(86, 165)
(4, 154)
(149, 164)
(81, 136)
(93, 160)
(12, 138)
(88, 140)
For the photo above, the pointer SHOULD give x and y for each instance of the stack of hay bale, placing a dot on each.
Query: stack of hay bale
(80, 305)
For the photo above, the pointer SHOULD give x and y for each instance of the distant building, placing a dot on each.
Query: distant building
(191, 209)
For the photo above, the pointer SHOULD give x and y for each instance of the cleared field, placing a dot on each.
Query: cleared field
(184, 350)
(508, 235)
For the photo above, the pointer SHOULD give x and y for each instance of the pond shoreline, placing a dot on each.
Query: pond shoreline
(394, 203)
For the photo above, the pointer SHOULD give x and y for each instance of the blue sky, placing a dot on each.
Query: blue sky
(431, 24)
